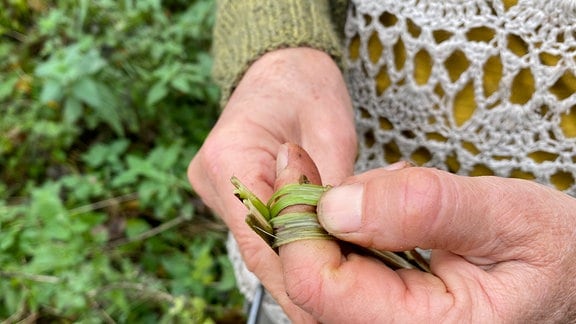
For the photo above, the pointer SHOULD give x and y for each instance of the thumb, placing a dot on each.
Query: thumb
(484, 218)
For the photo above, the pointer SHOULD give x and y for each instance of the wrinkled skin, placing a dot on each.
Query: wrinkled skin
(283, 97)
(503, 249)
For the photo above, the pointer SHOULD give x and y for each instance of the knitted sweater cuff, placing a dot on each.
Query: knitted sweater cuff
(247, 29)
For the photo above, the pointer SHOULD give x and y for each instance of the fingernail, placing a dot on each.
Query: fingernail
(282, 158)
(340, 209)
(398, 166)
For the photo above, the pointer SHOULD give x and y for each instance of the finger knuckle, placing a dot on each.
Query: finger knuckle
(422, 198)
(303, 288)
(205, 163)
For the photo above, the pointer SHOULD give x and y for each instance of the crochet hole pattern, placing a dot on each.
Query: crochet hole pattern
(477, 88)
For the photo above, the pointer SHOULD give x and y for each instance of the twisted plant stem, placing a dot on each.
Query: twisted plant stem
(278, 228)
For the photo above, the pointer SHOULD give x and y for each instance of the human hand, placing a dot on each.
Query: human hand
(290, 95)
(504, 250)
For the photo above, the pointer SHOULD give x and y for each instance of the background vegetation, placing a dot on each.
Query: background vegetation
(103, 103)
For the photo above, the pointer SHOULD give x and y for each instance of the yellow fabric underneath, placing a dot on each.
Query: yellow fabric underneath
(522, 88)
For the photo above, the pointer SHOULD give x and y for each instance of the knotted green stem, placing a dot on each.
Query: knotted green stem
(278, 228)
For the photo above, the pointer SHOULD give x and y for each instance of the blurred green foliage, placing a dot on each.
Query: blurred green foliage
(103, 105)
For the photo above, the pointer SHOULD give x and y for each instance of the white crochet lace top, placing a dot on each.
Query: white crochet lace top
(474, 87)
(467, 86)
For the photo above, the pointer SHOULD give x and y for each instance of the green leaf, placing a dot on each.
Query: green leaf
(100, 98)
(53, 257)
(72, 110)
(46, 204)
(51, 91)
(106, 154)
(228, 280)
(146, 191)
(157, 93)
(136, 168)
(136, 226)
(91, 62)
(85, 222)
(7, 87)
(177, 265)
(86, 90)
(82, 12)
(166, 157)
(180, 83)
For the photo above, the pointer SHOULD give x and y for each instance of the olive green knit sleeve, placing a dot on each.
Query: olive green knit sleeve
(247, 29)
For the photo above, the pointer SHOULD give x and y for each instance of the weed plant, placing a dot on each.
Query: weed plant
(103, 103)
